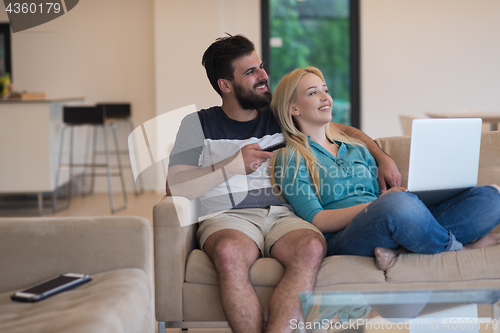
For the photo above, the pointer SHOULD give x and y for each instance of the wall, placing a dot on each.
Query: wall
(416, 55)
(183, 31)
(427, 55)
(101, 50)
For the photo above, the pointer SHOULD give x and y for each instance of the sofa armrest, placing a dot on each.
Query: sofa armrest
(174, 223)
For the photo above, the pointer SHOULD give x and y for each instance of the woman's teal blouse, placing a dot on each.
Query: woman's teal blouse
(346, 180)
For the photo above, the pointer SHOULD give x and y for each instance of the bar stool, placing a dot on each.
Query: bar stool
(120, 112)
(74, 116)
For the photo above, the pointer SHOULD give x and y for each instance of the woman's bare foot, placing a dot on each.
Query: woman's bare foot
(495, 186)
(384, 256)
(491, 239)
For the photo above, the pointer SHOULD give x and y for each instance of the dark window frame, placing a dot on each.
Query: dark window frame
(354, 50)
(5, 31)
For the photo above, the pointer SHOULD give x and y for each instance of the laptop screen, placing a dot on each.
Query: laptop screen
(444, 154)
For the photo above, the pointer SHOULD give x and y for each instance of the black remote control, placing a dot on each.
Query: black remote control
(278, 145)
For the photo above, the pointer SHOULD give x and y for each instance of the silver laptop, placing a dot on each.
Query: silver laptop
(444, 158)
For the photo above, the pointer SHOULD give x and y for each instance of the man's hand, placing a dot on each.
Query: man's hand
(253, 157)
(388, 174)
(191, 181)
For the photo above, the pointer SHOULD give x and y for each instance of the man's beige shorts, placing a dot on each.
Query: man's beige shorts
(263, 226)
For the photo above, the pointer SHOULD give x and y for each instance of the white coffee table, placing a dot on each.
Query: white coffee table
(430, 311)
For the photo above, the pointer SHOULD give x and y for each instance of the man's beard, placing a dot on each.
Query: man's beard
(249, 99)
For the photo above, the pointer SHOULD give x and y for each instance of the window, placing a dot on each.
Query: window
(320, 33)
(5, 60)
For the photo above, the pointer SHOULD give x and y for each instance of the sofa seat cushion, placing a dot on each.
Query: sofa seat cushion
(114, 301)
(267, 272)
(348, 269)
(200, 269)
(480, 264)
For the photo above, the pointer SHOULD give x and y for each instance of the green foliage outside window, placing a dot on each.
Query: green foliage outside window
(314, 33)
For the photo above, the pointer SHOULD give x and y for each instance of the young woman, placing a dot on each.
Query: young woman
(331, 181)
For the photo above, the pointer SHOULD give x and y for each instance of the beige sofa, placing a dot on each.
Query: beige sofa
(115, 251)
(187, 292)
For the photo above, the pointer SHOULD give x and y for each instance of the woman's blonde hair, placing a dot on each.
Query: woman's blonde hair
(297, 144)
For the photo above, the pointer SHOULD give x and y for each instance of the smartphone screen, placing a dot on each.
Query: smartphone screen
(58, 281)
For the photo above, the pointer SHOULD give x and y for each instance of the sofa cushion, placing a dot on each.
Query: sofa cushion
(489, 160)
(267, 272)
(348, 269)
(44, 247)
(480, 264)
(115, 301)
(200, 269)
(397, 147)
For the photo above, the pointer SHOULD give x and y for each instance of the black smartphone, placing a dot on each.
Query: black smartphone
(50, 287)
(278, 145)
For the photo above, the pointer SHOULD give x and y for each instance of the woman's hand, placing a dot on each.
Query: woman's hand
(331, 220)
(392, 189)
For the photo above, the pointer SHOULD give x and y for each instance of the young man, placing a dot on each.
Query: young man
(218, 158)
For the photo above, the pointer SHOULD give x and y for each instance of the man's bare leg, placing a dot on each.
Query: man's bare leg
(233, 253)
(301, 252)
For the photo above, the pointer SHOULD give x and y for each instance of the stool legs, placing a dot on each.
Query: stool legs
(108, 169)
(93, 165)
(94, 152)
(137, 189)
(58, 172)
(40, 203)
(128, 129)
(71, 144)
(119, 161)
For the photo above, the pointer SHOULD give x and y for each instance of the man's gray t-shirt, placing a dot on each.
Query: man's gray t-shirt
(209, 136)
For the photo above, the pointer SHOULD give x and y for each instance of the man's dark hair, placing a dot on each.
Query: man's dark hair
(218, 58)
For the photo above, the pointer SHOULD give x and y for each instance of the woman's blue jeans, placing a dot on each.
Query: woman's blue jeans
(400, 219)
